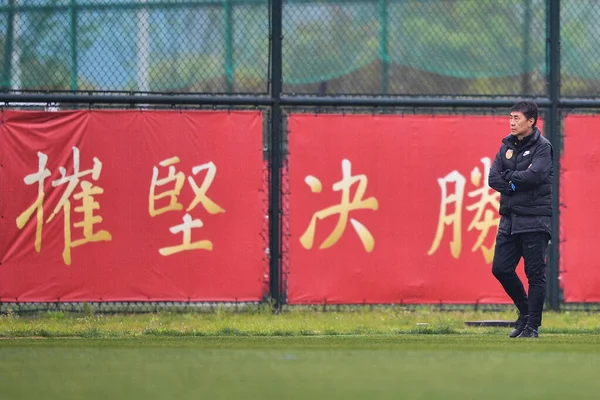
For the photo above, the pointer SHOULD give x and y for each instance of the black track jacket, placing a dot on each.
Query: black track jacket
(528, 165)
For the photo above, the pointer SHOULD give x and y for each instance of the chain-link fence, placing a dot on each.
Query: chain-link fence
(135, 45)
(580, 62)
(399, 47)
(415, 47)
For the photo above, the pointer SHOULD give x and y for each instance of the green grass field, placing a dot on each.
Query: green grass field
(370, 355)
(317, 367)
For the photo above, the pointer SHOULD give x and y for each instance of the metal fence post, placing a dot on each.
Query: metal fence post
(526, 89)
(8, 46)
(228, 46)
(73, 42)
(553, 129)
(275, 140)
(383, 45)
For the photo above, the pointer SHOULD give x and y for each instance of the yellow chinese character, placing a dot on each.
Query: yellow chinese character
(484, 219)
(453, 218)
(38, 205)
(88, 190)
(200, 192)
(88, 207)
(172, 194)
(186, 229)
(343, 209)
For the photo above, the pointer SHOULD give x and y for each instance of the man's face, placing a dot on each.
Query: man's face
(519, 125)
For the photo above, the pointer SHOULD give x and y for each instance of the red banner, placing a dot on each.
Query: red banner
(131, 206)
(393, 209)
(580, 216)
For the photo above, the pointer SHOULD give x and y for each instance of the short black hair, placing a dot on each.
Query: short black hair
(528, 108)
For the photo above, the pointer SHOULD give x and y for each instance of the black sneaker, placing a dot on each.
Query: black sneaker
(528, 332)
(520, 325)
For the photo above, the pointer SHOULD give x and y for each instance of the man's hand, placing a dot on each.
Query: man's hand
(507, 175)
(539, 170)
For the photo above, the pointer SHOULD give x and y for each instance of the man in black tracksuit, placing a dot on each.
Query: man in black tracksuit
(522, 173)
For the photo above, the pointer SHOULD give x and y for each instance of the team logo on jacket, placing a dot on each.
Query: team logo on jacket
(509, 154)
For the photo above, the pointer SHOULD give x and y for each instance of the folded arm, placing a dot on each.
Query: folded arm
(536, 173)
(496, 179)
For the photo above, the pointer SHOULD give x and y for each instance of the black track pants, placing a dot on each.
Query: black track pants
(532, 247)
